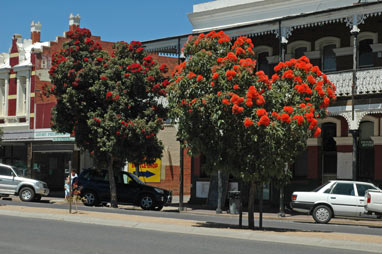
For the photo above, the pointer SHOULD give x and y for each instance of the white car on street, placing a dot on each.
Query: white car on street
(334, 199)
(13, 183)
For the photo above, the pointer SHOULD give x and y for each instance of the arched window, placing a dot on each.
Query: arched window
(297, 49)
(365, 167)
(329, 149)
(261, 54)
(262, 62)
(326, 46)
(329, 58)
(365, 53)
(299, 52)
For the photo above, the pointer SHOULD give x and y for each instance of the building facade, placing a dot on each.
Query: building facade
(28, 141)
(333, 35)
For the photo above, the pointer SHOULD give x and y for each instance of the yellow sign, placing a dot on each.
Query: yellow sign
(148, 173)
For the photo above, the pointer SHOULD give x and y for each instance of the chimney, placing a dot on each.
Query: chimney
(74, 22)
(35, 32)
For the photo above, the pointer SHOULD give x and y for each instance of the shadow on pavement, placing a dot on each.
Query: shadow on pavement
(268, 229)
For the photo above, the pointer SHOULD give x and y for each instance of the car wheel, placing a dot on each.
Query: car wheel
(90, 198)
(26, 194)
(158, 208)
(322, 214)
(146, 202)
(37, 198)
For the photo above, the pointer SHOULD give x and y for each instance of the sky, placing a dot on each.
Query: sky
(113, 20)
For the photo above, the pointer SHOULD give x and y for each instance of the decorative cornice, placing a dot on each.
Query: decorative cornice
(355, 20)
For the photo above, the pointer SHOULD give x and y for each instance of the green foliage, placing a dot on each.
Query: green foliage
(241, 120)
(112, 105)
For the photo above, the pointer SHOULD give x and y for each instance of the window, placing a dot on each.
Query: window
(299, 52)
(365, 164)
(262, 62)
(300, 167)
(344, 189)
(362, 188)
(326, 46)
(4, 171)
(3, 97)
(297, 49)
(262, 53)
(365, 53)
(22, 96)
(329, 58)
(329, 148)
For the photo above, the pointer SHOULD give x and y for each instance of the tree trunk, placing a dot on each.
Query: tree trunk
(113, 189)
(220, 192)
(251, 205)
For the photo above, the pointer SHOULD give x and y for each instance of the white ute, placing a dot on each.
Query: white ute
(373, 202)
(334, 199)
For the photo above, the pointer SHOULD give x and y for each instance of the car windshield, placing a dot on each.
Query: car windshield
(136, 179)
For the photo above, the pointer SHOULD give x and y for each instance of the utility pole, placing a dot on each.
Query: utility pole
(283, 43)
(181, 58)
(354, 32)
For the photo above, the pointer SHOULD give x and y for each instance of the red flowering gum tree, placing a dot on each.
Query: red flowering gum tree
(239, 118)
(112, 105)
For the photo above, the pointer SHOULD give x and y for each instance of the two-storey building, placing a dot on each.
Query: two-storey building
(344, 38)
(28, 141)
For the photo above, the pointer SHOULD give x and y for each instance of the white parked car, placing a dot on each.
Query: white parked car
(334, 199)
(12, 183)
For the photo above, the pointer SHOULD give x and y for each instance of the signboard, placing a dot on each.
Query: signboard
(47, 134)
(148, 173)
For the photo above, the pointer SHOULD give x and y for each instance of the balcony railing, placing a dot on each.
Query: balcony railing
(369, 81)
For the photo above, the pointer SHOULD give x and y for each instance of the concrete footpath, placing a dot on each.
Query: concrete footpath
(355, 242)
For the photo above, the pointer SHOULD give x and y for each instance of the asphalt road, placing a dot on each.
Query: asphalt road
(228, 221)
(36, 236)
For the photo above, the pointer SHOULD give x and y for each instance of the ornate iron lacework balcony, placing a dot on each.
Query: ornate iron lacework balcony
(369, 81)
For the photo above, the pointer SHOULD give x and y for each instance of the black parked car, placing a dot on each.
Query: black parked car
(94, 185)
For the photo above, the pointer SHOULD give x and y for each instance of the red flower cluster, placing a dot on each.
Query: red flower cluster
(191, 75)
(108, 95)
(236, 101)
(288, 109)
(264, 120)
(230, 74)
(79, 33)
(248, 122)
(103, 77)
(261, 112)
(285, 118)
(134, 68)
(163, 68)
(126, 124)
(96, 119)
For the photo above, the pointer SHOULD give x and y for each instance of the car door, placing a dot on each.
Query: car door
(8, 184)
(127, 188)
(344, 200)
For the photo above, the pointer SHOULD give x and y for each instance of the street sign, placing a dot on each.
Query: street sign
(148, 173)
